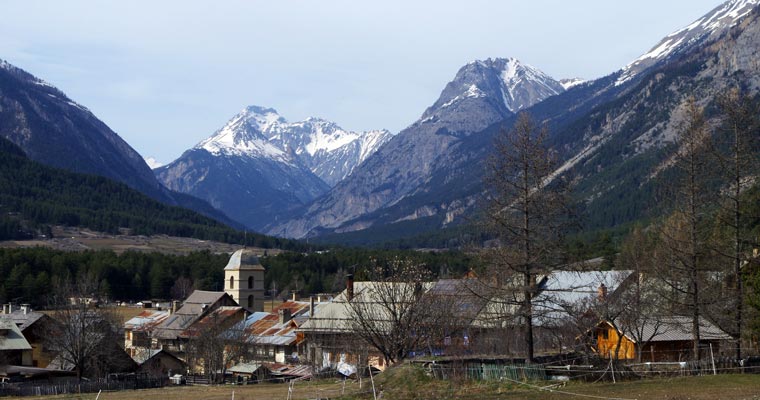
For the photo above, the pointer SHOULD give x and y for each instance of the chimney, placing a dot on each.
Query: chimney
(175, 306)
(284, 315)
(311, 306)
(294, 296)
(602, 291)
(6, 308)
(350, 287)
(25, 309)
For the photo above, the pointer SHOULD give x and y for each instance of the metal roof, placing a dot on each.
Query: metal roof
(679, 328)
(267, 328)
(146, 320)
(335, 316)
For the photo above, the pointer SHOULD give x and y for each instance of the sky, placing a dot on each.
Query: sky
(166, 74)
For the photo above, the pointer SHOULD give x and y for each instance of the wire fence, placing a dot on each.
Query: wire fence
(73, 387)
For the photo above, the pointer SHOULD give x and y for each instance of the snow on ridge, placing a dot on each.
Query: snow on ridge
(571, 82)
(262, 132)
(722, 17)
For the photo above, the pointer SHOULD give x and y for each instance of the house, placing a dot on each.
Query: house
(329, 336)
(244, 280)
(168, 333)
(138, 331)
(159, 363)
(216, 321)
(660, 339)
(14, 348)
(273, 335)
(34, 326)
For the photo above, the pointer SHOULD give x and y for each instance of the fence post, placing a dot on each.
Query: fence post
(713, 360)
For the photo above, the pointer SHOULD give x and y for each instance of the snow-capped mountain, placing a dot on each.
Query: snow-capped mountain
(326, 149)
(711, 24)
(481, 94)
(259, 166)
(489, 90)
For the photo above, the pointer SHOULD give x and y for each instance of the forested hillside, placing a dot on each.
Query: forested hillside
(34, 196)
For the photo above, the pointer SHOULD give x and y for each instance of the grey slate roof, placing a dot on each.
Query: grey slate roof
(24, 321)
(11, 338)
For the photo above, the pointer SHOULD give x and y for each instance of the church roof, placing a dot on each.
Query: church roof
(244, 259)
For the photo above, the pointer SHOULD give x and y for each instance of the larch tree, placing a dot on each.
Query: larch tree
(737, 153)
(684, 235)
(528, 212)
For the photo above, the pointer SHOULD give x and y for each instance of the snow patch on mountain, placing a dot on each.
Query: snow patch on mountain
(153, 163)
(716, 21)
(571, 82)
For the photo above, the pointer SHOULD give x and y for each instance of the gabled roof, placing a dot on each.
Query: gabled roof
(220, 316)
(11, 338)
(196, 306)
(335, 316)
(144, 356)
(244, 259)
(562, 290)
(679, 328)
(25, 320)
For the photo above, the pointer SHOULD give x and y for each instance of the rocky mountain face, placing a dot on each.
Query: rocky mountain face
(613, 135)
(259, 167)
(619, 153)
(416, 160)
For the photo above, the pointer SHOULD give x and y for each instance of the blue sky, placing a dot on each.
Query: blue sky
(166, 74)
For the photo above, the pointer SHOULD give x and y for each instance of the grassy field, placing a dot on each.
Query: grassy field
(301, 390)
(729, 387)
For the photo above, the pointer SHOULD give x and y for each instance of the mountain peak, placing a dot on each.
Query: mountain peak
(503, 85)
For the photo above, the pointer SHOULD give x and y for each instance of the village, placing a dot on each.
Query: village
(582, 320)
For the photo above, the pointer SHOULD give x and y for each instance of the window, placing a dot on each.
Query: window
(232, 282)
(250, 301)
(250, 282)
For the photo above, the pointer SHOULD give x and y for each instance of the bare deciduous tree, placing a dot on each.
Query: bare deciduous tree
(81, 332)
(182, 288)
(392, 314)
(528, 212)
(215, 345)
